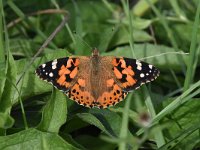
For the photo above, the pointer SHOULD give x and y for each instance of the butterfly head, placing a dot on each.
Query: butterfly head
(95, 52)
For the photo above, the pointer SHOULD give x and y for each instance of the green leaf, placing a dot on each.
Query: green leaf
(23, 47)
(91, 119)
(34, 140)
(7, 95)
(121, 37)
(3, 71)
(106, 38)
(138, 23)
(185, 133)
(185, 117)
(103, 119)
(55, 113)
(2, 54)
(6, 121)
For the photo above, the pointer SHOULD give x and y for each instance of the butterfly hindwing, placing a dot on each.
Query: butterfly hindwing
(60, 72)
(132, 73)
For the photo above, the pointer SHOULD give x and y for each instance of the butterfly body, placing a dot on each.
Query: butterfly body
(97, 81)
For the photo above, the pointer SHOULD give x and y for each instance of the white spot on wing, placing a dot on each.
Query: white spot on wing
(138, 63)
(54, 63)
(43, 65)
(150, 66)
(139, 68)
(54, 67)
(142, 75)
(51, 74)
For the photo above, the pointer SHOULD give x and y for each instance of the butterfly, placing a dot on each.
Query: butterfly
(97, 81)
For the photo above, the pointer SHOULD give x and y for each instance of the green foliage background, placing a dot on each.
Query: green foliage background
(162, 115)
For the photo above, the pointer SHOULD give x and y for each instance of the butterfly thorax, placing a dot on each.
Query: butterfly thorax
(95, 62)
(96, 72)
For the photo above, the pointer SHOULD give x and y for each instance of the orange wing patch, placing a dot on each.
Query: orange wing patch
(81, 82)
(82, 97)
(111, 98)
(108, 98)
(123, 73)
(110, 82)
(68, 73)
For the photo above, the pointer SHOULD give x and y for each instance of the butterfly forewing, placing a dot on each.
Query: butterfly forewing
(60, 72)
(132, 73)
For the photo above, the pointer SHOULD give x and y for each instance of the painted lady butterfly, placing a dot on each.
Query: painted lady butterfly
(97, 81)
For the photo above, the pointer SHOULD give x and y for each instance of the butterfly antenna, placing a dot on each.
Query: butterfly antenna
(179, 53)
(77, 35)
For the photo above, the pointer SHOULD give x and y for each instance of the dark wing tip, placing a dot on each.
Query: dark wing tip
(155, 73)
(40, 73)
(45, 72)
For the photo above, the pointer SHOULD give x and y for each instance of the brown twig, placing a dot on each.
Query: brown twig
(41, 12)
(49, 39)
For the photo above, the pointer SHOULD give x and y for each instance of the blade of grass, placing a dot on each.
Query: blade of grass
(131, 31)
(108, 6)
(24, 18)
(66, 25)
(2, 55)
(193, 51)
(185, 133)
(183, 98)
(177, 9)
(2, 58)
(79, 29)
(124, 128)
(169, 32)
(175, 78)
(175, 104)
(159, 138)
(141, 7)
(21, 104)
(189, 5)
(125, 118)
(196, 60)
